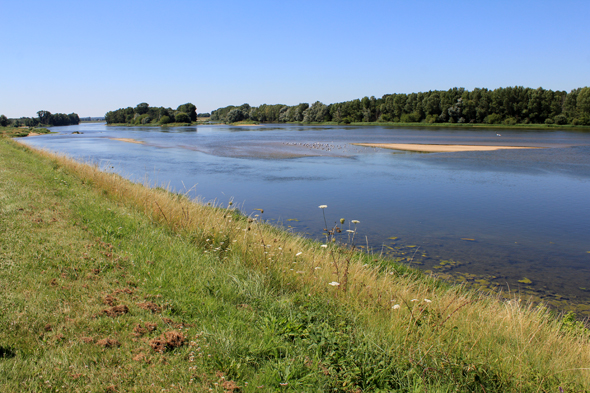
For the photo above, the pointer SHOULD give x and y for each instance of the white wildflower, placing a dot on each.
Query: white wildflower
(299, 253)
(334, 284)
(414, 300)
(324, 245)
(428, 300)
(323, 206)
(396, 307)
(355, 221)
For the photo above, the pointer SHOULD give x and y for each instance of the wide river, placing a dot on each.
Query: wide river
(515, 220)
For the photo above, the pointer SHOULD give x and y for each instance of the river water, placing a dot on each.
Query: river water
(510, 220)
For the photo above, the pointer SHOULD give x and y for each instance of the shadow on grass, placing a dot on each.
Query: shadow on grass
(6, 352)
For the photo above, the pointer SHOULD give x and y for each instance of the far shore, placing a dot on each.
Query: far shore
(432, 148)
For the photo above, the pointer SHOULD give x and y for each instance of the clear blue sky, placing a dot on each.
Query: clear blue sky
(89, 57)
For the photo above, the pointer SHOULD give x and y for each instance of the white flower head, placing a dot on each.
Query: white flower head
(428, 300)
(334, 283)
(414, 300)
(323, 206)
(299, 253)
(355, 221)
(324, 245)
(396, 307)
(350, 230)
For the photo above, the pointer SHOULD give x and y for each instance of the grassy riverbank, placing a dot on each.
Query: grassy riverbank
(109, 285)
(16, 132)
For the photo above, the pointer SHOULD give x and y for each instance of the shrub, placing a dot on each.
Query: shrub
(560, 119)
(510, 121)
(549, 121)
(494, 118)
(165, 120)
(410, 117)
(182, 117)
(431, 119)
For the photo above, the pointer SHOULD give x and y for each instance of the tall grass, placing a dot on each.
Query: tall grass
(384, 326)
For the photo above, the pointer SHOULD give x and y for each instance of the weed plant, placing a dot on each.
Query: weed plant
(109, 285)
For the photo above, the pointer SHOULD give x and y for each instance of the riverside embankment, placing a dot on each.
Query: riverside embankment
(109, 285)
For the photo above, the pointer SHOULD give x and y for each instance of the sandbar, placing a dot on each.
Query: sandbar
(129, 140)
(430, 148)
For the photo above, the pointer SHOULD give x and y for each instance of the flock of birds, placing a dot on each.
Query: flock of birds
(327, 147)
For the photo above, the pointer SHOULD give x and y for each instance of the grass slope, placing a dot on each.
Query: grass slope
(110, 286)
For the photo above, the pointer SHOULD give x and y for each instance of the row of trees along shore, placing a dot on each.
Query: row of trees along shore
(145, 114)
(44, 118)
(509, 105)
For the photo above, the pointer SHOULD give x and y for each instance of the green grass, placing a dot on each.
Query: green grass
(75, 242)
(16, 132)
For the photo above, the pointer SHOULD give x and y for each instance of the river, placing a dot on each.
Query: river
(506, 220)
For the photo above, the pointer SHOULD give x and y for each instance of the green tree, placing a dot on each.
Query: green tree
(3, 121)
(142, 108)
(44, 117)
(182, 117)
(234, 115)
(189, 109)
(583, 102)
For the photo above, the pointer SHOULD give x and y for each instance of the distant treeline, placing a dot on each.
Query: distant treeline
(510, 105)
(90, 118)
(45, 118)
(145, 114)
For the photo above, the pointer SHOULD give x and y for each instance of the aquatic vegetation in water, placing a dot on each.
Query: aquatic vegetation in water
(525, 281)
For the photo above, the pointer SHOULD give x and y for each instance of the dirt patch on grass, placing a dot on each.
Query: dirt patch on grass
(153, 307)
(167, 341)
(109, 300)
(108, 343)
(128, 291)
(230, 386)
(87, 340)
(116, 311)
(139, 330)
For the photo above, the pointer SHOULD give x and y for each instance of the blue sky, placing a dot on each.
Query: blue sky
(91, 57)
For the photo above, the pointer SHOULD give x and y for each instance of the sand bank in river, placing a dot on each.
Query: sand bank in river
(426, 148)
(129, 140)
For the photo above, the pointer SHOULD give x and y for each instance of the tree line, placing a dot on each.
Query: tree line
(508, 105)
(44, 118)
(145, 114)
